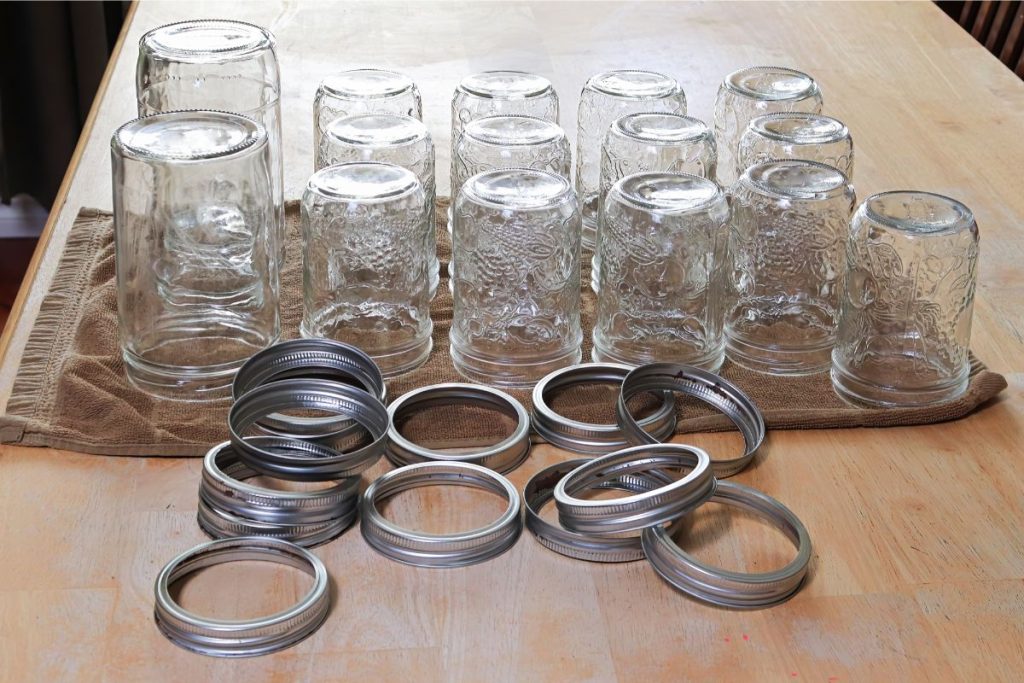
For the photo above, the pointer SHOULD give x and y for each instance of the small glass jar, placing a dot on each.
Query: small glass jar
(905, 330)
(796, 135)
(363, 91)
(663, 243)
(752, 92)
(789, 221)
(648, 142)
(220, 65)
(517, 288)
(389, 138)
(365, 272)
(607, 97)
(197, 274)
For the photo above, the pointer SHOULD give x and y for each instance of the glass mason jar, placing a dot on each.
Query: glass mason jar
(517, 288)
(905, 329)
(365, 271)
(663, 244)
(363, 91)
(220, 65)
(607, 97)
(648, 142)
(789, 221)
(389, 138)
(197, 276)
(796, 135)
(500, 93)
(752, 92)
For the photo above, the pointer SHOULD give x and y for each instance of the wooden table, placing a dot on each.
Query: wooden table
(918, 569)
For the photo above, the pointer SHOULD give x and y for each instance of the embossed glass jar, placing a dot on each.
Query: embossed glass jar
(606, 97)
(517, 287)
(220, 65)
(389, 138)
(365, 271)
(752, 92)
(363, 91)
(797, 135)
(663, 243)
(197, 274)
(790, 219)
(648, 142)
(905, 329)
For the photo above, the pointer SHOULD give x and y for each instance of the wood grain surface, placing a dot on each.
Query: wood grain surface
(918, 567)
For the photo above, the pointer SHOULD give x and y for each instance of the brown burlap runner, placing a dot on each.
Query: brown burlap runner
(70, 391)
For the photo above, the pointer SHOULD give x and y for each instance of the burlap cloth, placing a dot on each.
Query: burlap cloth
(70, 391)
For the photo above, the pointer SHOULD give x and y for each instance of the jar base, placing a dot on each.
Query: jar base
(392, 362)
(858, 392)
(192, 383)
(508, 374)
(779, 360)
(710, 362)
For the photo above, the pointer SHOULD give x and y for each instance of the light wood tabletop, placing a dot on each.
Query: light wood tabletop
(918, 563)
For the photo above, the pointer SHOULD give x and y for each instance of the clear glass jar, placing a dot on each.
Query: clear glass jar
(796, 135)
(606, 97)
(197, 275)
(663, 243)
(219, 65)
(752, 92)
(363, 91)
(905, 330)
(789, 221)
(648, 142)
(365, 271)
(517, 288)
(389, 138)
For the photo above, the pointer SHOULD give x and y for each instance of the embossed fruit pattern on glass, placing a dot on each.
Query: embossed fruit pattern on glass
(606, 97)
(646, 142)
(365, 275)
(517, 286)
(753, 92)
(795, 135)
(363, 91)
(197, 271)
(663, 244)
(786, 246)
(906, 316)
(389, 138)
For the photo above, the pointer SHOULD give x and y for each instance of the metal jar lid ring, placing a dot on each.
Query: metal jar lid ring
(708, 387)
(219, 523)
(540, 490)
(502, 457)
(223, 488)
(248, 637)
(302, 460)
(587, 438)
(439, 550)
(639, 510)
(727, 588)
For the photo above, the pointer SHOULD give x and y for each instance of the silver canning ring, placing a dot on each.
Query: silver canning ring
(639, 510)
(248, 637)
(439, 550)
(288, 458)
(706, 386)
(502, 457)
(727, 588)
(583, 437)
(219, 523)
(309, 359)
(540, 490)
(223, 488)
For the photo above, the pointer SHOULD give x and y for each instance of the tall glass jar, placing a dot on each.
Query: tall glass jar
(363, 91)
(389, 138)
(905, 330)
(789, 220)
(797, 135)
(606, 97)
(197, 278)
(220, 65)
(517, 287)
